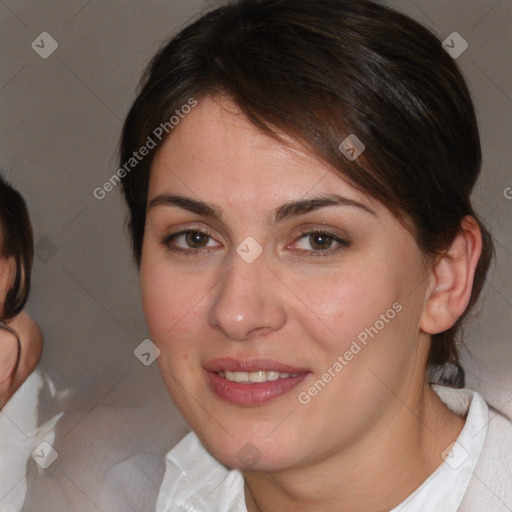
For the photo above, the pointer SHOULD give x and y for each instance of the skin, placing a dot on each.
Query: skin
(377, 425)
(30, 336)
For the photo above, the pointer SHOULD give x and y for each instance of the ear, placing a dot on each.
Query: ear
(451, 281)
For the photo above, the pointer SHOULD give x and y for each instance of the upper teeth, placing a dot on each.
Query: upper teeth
(258, 376)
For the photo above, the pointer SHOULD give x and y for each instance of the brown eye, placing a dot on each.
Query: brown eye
(196, 239)
(189, 242)
(318, 243)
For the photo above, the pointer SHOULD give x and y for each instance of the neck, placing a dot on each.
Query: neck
(375, 473)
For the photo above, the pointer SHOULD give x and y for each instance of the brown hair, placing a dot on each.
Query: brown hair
(320, 71)
(17, 243)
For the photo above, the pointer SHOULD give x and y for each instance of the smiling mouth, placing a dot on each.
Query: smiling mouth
(256, 376)
(252, 382)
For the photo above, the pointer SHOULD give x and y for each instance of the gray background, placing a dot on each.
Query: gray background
(60, 125)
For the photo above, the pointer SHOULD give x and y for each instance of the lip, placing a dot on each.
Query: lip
(251, 393)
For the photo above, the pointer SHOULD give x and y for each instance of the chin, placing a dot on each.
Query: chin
(247, 450)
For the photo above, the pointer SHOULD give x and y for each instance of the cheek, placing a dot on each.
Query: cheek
(172, 301)
(363, 316)
(339, 304)
(7, 275)
(7, 271)
(364, 341)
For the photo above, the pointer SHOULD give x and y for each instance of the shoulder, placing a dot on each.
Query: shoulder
(31, 339)
(8, 359)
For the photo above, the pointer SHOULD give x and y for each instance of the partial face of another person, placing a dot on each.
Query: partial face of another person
(17, 361)
(8, 343)
(261, 263)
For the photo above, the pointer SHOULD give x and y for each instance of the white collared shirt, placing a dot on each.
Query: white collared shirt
(476, 475)
(21, 434)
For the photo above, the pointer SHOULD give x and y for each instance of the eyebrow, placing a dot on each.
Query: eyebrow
(287, 210)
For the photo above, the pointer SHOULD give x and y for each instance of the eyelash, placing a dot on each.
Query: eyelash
(343, 244)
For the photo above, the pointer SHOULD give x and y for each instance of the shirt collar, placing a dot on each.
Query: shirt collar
(195, 481)
(445, 488)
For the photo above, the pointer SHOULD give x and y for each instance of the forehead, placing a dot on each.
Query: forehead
(216, 150)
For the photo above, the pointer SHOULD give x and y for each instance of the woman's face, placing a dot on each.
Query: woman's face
(257, 257)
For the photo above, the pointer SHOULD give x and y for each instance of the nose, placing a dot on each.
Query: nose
(248, 301)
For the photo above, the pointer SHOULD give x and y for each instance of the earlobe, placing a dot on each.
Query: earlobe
(452, 277)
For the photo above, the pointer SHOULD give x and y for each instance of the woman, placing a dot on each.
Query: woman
(23, 385)
(298, 176)
(21, 342)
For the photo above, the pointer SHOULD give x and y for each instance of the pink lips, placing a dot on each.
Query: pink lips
(251, 393)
